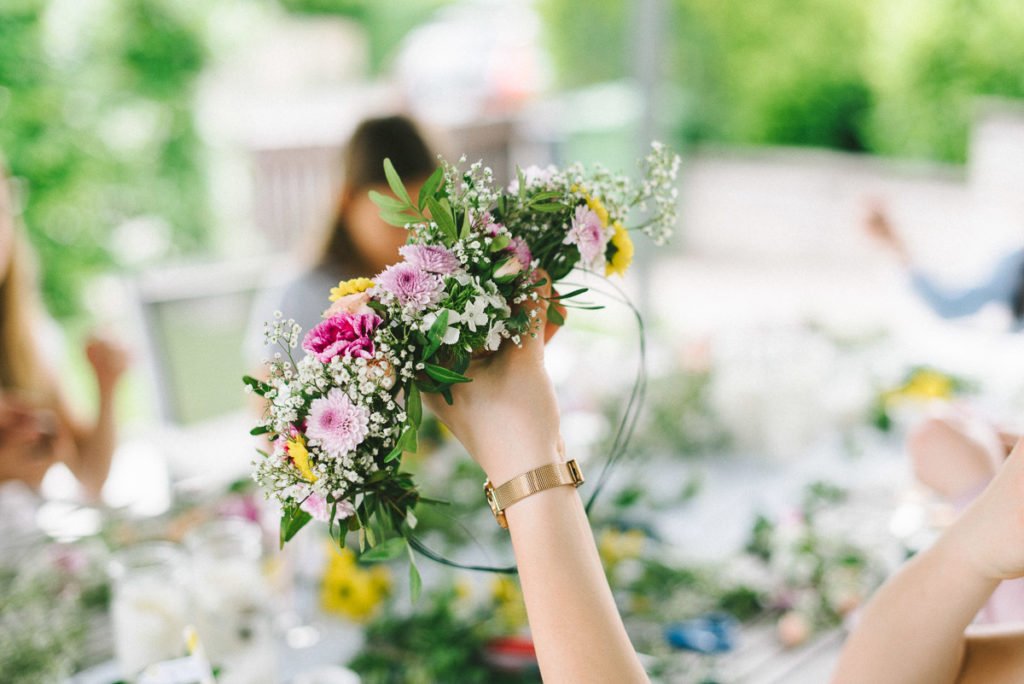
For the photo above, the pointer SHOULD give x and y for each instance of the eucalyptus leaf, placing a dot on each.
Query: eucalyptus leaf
(293, 519)
(443, 219)
(445, 375)
(388, 203)
(385, 551)
(430, 186)
(396, 183)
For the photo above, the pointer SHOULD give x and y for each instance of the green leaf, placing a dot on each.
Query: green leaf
(549, 207)
(393, 218)
(293, 519)
(258, 386)
(388, 203)
(555, 316)
(464, 233)
(396, 183)
(259, 430)
(430, 186)
(414, 405)
(522, 183)
(442, 374)
(443, 218)
(545, 196)
(395, 453)
(447, 394)
(500, 243)
(407, 442)
(385, 551)
(569, 295)
(436, 334)
(415, 581)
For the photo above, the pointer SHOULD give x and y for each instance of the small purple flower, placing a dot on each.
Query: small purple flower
(342, 335)
(589, 236)
(414, 288)
(431, 258)
(337, 425)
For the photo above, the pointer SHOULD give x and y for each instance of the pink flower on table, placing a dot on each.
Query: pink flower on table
(431, 258)
(414, 288)
(336, 424)
(318, 507)
(590, 237)
(342, 335)
(356, 303)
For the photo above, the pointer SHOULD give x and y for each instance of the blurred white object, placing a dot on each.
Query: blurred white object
(328, 675)
(232, 600)
(150, 605)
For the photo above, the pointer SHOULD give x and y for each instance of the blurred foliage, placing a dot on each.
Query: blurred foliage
(385, 23)
(96, 127)
(893, 78)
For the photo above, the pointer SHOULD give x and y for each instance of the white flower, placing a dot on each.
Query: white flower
(494, 336)
(475, 313)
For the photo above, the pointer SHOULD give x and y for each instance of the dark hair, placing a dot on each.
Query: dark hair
(393, 137)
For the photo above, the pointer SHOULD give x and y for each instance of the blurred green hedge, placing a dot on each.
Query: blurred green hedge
(895, 78)
(96, 126)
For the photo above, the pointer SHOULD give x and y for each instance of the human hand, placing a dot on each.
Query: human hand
(507, 417)
(108, 361)
(876, 224)
(27, 441)
(990, 533)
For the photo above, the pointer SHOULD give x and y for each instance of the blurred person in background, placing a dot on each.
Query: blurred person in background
(957, 454)
(915, 627)
(357, 242)
(37, 427)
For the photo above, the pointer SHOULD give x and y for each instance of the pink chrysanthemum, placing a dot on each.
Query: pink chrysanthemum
(589, 236)
(430, 258)
(342, 335)
(337, 425)
(414, 288)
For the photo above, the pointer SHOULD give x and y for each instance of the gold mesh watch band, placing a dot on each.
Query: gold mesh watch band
(522, 486)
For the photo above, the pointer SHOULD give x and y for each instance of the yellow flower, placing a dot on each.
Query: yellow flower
(296, 448)
(924, 385)
(348, 287)
(623, 256)
(350, 590)
(508, 603)
(615, 546)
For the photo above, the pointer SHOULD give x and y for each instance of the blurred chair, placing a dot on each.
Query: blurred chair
(196, 319)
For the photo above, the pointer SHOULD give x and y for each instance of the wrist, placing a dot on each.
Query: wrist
(503, 461)
(959, 558)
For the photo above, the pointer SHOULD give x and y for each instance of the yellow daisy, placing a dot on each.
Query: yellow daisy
(623, 256)
(348, 287)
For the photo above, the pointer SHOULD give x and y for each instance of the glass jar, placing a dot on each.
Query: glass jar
(150, 605)
(232, 600)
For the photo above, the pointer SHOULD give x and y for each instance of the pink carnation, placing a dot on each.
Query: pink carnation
(521, 251)
(318, 507)
(356, 303)
(414, 288)
(342, 335)
(589, 236)
(430, 258)
(337, 425)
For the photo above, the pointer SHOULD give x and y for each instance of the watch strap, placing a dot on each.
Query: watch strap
(536, 480)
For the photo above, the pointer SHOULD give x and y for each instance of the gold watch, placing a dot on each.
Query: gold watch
(522, 486)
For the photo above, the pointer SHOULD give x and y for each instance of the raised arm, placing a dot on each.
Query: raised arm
(507, 419)
(94, 443)
(913, 628)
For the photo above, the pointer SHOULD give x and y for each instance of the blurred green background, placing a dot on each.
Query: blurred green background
(894, 78)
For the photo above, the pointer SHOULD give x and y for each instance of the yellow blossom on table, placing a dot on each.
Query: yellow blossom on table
(350, 590)
(623, 256)
(509, 607)
(615, 546)
(296, 448)
(349, 287)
